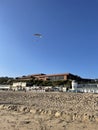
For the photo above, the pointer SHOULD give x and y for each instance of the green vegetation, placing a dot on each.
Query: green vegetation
(6, 80)
(33, 81)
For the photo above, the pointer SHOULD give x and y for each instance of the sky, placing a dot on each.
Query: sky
(69, 42)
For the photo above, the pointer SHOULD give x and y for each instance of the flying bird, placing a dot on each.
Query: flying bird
(38, 35)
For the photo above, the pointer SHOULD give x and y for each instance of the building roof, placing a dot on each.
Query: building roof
(40, 74)
(61, 74)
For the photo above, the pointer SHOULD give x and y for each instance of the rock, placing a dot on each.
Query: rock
(42, 112)
(39, 111)
(85, 117)
(75, 116)
(33, 111)
(2, 107)
(23, 109)
(88, 117)
(57, 114)
(12, 107)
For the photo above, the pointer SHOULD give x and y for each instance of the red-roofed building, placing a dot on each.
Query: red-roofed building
(51, 77)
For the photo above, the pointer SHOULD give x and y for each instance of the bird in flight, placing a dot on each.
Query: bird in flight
(38, 35)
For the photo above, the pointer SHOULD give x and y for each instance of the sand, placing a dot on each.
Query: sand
(48, 111)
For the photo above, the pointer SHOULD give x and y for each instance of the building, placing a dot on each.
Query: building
(19, 86)
(5, 87)
(64, 76)
(51, 77)
(30, 77)
(84, 88)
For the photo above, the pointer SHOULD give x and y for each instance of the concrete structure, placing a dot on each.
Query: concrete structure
(84, 88)
(74, 85)
(64, 89)
(87, 88)
(19, 86)
(5, 87)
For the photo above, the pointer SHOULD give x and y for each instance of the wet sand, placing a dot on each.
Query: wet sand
(48, 111)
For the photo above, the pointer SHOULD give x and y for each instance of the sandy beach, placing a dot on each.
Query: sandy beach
(48, 111)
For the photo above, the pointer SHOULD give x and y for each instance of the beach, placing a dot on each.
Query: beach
(48, 111)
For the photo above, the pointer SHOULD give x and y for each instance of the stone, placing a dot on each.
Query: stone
(57, 114)
(33, 111)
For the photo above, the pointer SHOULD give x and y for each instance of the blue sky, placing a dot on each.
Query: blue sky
(69, 40)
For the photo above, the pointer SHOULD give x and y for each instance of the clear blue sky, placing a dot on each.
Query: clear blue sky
(69, 42)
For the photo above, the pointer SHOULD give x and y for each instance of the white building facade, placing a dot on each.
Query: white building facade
(5, 87)
(84, 88)
(19, 86)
